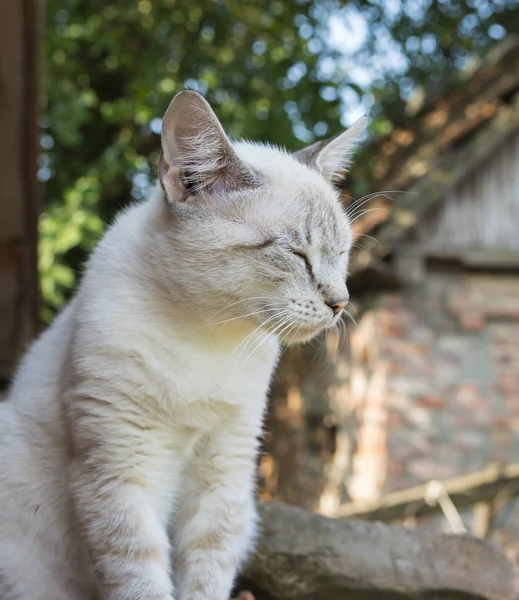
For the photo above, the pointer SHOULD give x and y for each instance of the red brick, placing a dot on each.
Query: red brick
(395, 420)
(507, 385)
(512, 403)
(467, 392)
(393, 331)
(387, 317)
(395, 467)
(408, 349)
(430, 402)
(513, 424)
(394, 368)
(472, 320)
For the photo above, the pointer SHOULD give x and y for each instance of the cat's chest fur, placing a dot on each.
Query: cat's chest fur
(177, 376)
(204, 383)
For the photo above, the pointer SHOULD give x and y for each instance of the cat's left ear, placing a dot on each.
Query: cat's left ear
(197, 159)
(332, 157)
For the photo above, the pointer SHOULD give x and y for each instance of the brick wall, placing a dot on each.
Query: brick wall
(427, 387)
(440, 368)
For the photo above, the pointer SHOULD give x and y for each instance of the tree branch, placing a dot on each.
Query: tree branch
(464, 490)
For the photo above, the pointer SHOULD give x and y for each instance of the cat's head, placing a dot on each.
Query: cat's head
(257, 235)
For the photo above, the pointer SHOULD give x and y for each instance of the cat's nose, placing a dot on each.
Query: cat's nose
(338, 305)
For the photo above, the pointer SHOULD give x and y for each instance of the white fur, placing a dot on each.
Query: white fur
(130, 433)
(336, 157)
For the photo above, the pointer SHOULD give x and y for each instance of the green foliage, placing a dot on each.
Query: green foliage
(269, 69)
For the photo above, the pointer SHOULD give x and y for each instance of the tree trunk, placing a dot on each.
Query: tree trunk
(19, 189)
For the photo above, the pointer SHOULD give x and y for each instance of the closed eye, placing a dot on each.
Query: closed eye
(304, 257)
(266, 243)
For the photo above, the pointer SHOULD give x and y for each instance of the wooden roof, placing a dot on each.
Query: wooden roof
(433, 150)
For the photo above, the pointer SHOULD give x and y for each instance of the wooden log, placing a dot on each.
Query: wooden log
(305, 556)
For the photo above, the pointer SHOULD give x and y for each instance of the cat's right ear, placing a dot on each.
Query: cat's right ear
(197, 160)
(332, 157)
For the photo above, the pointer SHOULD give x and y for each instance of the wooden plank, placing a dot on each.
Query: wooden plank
(434, 187)
(20, 193)
(416, 156)
(480, 212)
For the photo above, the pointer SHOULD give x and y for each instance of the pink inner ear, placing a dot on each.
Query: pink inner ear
(170, 181)
(173, 172)
(194, 141)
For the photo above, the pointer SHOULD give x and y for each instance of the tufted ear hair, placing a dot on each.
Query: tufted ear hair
(332, 157)
(197, 158)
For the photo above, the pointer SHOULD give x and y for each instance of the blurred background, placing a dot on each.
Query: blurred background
(411, 417)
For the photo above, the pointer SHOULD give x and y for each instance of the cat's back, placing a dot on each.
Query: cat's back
(39, 376)
(34, 451)
(33, 433)
(32, 428)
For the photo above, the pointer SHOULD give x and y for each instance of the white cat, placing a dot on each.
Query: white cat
(129, 437)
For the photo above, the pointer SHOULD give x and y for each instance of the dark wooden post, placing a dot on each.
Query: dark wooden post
(20, 26)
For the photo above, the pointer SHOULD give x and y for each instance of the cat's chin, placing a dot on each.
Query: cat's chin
(302, 336)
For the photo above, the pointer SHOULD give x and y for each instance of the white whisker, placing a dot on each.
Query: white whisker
(365, 212)
(275, 332)
(244, 342)
(246, 300)
(383, 194)
(370, 237)
(350, 316)
(266, 308)
(343, 332)
(360, 202)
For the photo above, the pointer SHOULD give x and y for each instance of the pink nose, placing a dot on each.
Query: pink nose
(338, 305)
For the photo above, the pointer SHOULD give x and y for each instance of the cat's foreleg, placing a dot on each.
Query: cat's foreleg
(215, 526)
(113, 480)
